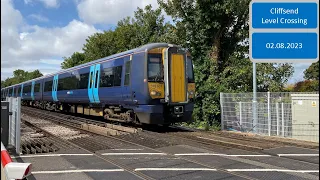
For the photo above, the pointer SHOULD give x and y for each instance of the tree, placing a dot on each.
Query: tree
(307, 86)
(146, 26)
(20, 76)
(312, 73)
(75, 59)
(216, 32)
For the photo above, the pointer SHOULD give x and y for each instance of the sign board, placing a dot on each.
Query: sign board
(284, 31)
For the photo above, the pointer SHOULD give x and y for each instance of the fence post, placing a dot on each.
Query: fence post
(18, 122)
(282, 113)
(240, 114)
(277, 109)
(221, 109)
(269, 115)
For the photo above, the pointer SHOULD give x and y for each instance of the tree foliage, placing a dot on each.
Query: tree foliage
(20, 76)
(306, 86)
(216, 32)
(145, 27)
(312, 73)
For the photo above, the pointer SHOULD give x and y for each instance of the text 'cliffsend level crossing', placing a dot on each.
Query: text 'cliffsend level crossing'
(284, 15)
(284, 31)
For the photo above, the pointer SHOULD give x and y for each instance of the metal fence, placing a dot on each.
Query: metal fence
(273, 115)
(14, 122)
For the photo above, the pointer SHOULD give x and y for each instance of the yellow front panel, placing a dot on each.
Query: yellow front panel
(156, 89)
(178, 86)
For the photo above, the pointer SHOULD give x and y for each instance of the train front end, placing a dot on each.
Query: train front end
(171, 84)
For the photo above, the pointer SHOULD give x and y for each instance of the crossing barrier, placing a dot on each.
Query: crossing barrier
(13, 170)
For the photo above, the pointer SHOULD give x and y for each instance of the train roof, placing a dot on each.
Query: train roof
(131, 51)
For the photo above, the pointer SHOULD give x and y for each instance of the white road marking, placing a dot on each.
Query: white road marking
(297, 155)
(271, 170)
(123, 154)
(175, 169)
(50, 155)
(231, 155)
(126, 149)
(77, 171)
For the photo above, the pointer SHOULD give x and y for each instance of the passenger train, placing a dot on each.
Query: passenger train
(151, 84)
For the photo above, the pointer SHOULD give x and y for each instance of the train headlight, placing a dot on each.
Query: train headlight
(155, 93)
(191, 94)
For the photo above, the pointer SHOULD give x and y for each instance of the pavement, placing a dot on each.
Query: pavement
(175, 162)
(2, 173)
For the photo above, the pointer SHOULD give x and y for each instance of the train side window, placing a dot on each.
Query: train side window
(84, 78)
(48, 86)
(68, 83)
(127, 73)
(107, 77)
(27, 89)
(96, 85)
(117, 76)
(91, 79)
(36, 87)
(19, 90)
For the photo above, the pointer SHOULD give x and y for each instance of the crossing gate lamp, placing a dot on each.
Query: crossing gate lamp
(13, 170)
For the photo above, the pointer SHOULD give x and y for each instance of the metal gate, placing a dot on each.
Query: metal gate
(14, 122)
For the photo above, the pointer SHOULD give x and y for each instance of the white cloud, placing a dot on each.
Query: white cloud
(39, 17)
(110, 11)
(47, 3)
(33, 47)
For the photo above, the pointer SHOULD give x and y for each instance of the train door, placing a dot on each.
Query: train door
(32, 90)
(93, 84)
(175, 75)
(127, 89)
(55, 88)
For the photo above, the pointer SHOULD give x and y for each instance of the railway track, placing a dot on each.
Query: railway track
(84, 145)
(89, 143)
(226, 140)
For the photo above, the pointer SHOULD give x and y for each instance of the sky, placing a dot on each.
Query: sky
(37, 34)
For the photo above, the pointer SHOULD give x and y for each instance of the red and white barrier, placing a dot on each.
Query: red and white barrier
(13, 170)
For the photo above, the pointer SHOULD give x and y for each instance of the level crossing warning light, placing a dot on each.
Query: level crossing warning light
(13, 170)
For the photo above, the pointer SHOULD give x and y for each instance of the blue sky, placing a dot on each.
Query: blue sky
(36, 34)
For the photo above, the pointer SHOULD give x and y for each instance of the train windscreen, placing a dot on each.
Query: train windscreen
(190, 70)
(155, 68)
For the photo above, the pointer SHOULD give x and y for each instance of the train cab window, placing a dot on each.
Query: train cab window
(10, 91)
(190, 70)
(127, 73)
(155, 68)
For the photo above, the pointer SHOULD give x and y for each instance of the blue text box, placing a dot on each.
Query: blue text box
(294, 46)
(284, 15)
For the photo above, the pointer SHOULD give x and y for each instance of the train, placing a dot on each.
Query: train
(151, 84)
